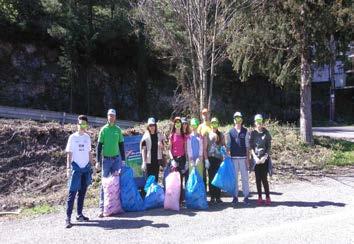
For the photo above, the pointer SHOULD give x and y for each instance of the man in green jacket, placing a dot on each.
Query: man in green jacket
(111, 147)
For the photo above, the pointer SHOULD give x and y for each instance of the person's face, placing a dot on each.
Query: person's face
(238, 120)
(152, 128)
(82, 125)
(178, 124)
(111, 118)
(259, 123)
(214, 125)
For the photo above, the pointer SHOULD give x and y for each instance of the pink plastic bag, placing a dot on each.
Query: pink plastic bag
(111, 192)
(173, 191)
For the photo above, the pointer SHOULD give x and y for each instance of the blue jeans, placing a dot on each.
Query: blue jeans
(109, 166)
(80, 199)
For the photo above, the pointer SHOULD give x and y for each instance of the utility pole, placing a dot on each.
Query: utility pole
(332, 89)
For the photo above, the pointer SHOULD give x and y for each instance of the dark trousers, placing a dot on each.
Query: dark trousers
(153, 169)
(261, 171)
(80, 199)
(181, 166)
(213, 169)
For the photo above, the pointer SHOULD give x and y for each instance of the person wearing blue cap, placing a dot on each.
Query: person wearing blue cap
(237, 144)
(111, 146)
(151, 148)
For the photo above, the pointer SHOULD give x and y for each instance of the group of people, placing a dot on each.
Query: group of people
(191, 144)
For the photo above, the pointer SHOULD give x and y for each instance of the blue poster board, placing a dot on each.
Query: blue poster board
(133, 158)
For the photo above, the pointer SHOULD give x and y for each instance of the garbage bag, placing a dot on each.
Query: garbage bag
(225, 178)
(195, 191)
(155, 195)
(111, 191)
(173, 191)
(130, 197)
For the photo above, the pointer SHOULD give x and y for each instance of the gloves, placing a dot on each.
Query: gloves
(143, 167)
(192, 163)
(174, 163)
(207, 163)
(197, 162)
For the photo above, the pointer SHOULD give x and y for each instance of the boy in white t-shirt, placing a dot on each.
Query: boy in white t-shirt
(79, 171)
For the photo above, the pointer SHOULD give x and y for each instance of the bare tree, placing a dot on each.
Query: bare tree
(193, 32)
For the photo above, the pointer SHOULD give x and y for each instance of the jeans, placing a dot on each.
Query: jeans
(109, 166)
(240, 165)
(80, 199)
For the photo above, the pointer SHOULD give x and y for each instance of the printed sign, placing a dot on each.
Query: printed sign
(133, 158)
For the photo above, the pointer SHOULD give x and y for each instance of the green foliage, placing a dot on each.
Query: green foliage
(267, 38)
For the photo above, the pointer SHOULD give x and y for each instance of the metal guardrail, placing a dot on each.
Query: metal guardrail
(61, 117)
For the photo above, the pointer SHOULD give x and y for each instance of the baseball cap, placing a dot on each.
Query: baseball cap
(237, 114)
(112, 112)
(184, 120)
(151, 121)
(258, 117)
(214, 120)
(194, 122)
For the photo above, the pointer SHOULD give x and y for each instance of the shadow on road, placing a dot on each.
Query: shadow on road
(304, 204)
(113, 224)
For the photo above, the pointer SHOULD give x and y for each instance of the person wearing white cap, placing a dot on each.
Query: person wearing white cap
(151, 148)
(237, 144)
(260, 143)
(111, 146)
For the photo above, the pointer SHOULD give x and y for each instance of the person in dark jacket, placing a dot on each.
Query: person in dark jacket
(260, 143)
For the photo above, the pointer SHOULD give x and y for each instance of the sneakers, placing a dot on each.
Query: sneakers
(268, 201)
(100, 215)
(82, 218)
(260, 201)
(212, 200)
(68, 224)
(235, 201)
(218, 200)
(246, 202)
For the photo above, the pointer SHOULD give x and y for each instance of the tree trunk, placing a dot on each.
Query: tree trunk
(212, 64)
(305, 100)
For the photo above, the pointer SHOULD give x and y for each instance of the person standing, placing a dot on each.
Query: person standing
(79, 169)
(214, 142)
(260, 143)
(237, 144)
(195, 148)
(177, 151)
(111, 147)
(151, 148)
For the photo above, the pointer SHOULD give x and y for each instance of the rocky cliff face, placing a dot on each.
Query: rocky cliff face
(30, 76)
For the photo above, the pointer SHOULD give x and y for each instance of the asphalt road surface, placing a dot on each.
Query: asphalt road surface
(343, 132)
(316, 211)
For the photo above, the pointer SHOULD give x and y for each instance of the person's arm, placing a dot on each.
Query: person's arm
(69, 158)
(98, 153)
(143, 151)
(170, 150)
(268, 143)
(247, 139)
(121, 150)
(228, 143)
(204, 148)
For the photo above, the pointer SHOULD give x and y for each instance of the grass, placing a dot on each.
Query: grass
(343, 151)
(39, 210)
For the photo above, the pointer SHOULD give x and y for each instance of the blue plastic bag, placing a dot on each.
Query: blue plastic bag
(155, 195)
(225, 178)
(129, 194)
(195, 191)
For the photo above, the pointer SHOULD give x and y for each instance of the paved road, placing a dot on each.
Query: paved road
(317, 211)
(344, 132)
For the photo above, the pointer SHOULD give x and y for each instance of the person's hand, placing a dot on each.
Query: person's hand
(143, 167)
(247, 163)
(174, 163)
(207, 163)
(97, 165)
(192, 163)
(68, 173)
